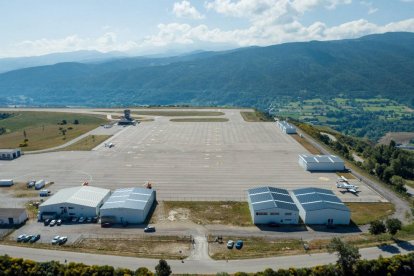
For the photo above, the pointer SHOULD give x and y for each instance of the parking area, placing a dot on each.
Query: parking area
(208, 161)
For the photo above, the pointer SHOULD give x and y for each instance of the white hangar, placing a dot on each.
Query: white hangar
(130, 205)
(321, 162)
(286, 127)
(272, 205)
(82, 201)
(10, 154)
(320, 206)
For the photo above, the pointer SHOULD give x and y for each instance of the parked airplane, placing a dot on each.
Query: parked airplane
(349, 187)
(343, 179)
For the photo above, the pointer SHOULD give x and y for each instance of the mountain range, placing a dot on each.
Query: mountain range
(374, 65)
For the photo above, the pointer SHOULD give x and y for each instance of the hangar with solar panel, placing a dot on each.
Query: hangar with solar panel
(269, 205)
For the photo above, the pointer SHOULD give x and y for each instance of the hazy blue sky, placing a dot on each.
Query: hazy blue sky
(30, 27)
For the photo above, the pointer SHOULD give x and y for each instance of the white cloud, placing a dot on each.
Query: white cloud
(184, 9)
(370, 6)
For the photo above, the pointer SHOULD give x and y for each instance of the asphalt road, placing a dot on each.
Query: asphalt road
(401, 206)
(205, 266)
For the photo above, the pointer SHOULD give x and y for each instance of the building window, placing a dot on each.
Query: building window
(288, 214)
(274, 214)
(261, 213)
(70, 207)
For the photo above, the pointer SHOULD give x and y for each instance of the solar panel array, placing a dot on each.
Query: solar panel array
(264, 198)
(312, 199)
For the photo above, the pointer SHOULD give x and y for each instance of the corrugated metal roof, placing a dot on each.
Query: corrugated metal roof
(263, 198)
(317, 199)
(81, 195)
(130, 198)
(9, 150)
(310, 158)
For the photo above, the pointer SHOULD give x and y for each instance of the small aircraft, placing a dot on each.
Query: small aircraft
(109, 145)
(349, 187)
(343, 179)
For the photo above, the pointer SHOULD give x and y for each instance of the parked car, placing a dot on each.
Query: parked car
(239, 244)
(35, 238)
(20, 238)
(149, 229)
(95, 219)
(89, 220)
(55, 240)
(106, 225)
(81, 220)
(52, 223)
(27, 238)
(30, 184)
(62, 240)
(74, 219)
(59, 222)
(230, 244)
(46, 222)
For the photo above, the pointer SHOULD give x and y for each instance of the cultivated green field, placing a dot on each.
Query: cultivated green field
(44, 130)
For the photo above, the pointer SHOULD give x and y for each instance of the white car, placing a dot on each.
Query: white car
(230, 244)
(56, 240)
(20, 238)
(52, 223)
(81, 219)
(62, 240)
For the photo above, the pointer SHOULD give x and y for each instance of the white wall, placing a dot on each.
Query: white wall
(282, 218)
(72, 210)
(322, 216)
(123, 215)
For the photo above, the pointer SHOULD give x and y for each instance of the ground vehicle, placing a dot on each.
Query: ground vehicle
(62, 240)
(35, 238)
(95, 219)
(27, 238)
(89, 220)
(81, 220)
(46, 222)
(52, 223)
(149, 229)
(239, 244)
(44, 193)
(20, 238)
(30, 184)
(55, 240)
(59, 222)
(74, 219)
(230, 244)
(106, 225)
(40, 184)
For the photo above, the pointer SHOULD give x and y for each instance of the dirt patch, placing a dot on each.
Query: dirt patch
(179, 214)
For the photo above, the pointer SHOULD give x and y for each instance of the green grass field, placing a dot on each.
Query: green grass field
(177, 113)
(42, 129)
(87, 143)
(364, 213)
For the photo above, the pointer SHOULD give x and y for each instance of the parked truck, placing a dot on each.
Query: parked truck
(40, 184)
(44, 193)
(6, 182)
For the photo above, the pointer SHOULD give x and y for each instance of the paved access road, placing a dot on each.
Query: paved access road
(205, 266)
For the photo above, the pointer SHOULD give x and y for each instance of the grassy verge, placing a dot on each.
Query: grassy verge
(255, 248)
(87, 143)
(201, 120)
(171, 113)
(308, 146)
(44, 129)
(157, 247)
(19, 190)
(255, 116)
(206, 212)
(365, 212)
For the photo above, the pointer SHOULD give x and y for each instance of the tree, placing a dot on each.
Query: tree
(377, 227)
(64, 122)
(393, 225)
(143, 271)
(162, 268)
(76, 122)
(348, 255)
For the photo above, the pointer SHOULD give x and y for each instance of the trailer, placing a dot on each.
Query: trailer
(40, 184)
(6, 182)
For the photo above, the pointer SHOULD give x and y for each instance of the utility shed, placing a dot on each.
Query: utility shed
(9, 154)
(82, 201)
(286, 127)
(130, 205)
(321, 162)
(272, 205)
(320, 206)
(12, 216)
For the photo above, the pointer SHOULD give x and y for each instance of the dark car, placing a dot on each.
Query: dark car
(35, 238)
(59, 222)
(46, 222)
(149, 229)
(27, 238)
(239, 244)
(62, 240)
(106, 225)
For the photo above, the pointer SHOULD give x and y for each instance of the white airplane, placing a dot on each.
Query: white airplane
(109, 145)
(343, 179)
(349, 187)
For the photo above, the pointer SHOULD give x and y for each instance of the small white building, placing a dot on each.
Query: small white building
(320, 206)
(130, 205)
(81, 201)
(9, 154)
(6, 182)
(321, 162)
(286, 127)
(12, 216)
(272, 205)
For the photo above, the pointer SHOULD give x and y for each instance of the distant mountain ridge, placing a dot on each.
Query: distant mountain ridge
(374, 65)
